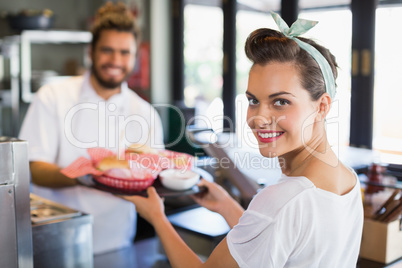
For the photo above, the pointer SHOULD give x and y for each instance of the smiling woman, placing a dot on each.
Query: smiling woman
(313, 216)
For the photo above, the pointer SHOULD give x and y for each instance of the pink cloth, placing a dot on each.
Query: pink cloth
(142, 166)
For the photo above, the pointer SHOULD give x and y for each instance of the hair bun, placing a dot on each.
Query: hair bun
(110, 7)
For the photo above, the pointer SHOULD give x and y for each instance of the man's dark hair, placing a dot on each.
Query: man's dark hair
(114, 17)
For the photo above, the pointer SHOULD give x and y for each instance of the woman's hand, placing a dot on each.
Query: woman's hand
(151, 208)
(218, 200)
(214, 199)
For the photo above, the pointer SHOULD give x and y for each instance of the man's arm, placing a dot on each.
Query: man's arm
(48, 175)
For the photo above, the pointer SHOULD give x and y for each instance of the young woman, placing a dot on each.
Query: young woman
(313, 216)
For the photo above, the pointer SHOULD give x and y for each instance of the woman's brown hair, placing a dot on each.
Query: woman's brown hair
(266, 45)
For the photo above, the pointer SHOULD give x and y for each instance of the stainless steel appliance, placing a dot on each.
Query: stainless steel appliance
(61, 236)
(36, 232)
(15, 218)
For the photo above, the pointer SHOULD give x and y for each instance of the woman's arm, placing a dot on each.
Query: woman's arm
(218, 200)
(178, 253)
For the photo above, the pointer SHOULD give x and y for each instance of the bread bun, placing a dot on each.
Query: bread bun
(140, 149)
(112, 162)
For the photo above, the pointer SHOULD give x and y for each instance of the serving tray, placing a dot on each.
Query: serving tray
(162, 191)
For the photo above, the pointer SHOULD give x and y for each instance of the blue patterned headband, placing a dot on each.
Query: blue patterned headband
(299, 27)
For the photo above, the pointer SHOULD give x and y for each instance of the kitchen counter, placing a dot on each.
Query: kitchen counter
(190, 225)
(363, 263)
(147, 254)
(142, 254)
(200, 228)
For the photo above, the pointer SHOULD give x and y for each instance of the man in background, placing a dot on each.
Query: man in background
(94, 110)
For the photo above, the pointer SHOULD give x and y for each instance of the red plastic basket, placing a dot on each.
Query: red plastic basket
(125, 184)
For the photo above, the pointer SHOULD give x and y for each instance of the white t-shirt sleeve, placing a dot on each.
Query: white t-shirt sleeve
(40, 127)
(260, 241)
(244, 240)
(268, 230)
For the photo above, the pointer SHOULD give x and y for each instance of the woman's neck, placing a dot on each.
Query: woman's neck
(294, 163)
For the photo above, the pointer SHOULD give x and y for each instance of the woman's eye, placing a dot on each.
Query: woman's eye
(252, 102)
(281, 102)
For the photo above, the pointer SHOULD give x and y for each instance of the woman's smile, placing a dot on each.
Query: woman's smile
(268, 136)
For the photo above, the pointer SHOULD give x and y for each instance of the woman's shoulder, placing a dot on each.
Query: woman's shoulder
(277, 196)
(337, 179)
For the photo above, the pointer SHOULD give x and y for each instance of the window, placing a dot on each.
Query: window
(203, 56)
(246, 22)
(387, 134)
(337, 37)
(203, 41)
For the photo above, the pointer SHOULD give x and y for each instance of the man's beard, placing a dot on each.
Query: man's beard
(105, 83)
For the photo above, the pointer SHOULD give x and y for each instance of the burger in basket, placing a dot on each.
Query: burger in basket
(126, 174)
(114, 167)
(176, 167)
(107, 169)
(165, 159)
(136, 170)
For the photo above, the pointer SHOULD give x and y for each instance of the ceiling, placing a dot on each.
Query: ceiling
(267, 5)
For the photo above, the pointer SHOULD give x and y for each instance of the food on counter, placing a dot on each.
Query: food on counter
(35, 12)
(31, 19)
(176, 179)
(47, 12)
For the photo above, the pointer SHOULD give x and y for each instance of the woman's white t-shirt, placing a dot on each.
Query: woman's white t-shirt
(295, 224)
